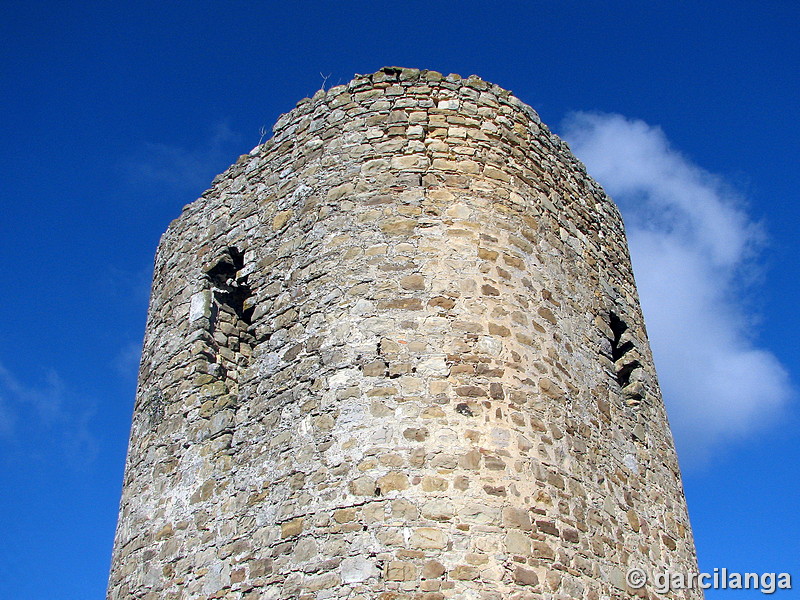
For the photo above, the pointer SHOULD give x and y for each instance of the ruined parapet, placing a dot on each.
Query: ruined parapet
(397, 352)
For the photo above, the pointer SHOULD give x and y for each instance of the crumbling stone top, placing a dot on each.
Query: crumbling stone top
(394, 79)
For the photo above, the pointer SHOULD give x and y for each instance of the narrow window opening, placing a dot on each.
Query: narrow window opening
(232, 309)
(231, 290)
(618, 327)
(626, 363)
(625, 371)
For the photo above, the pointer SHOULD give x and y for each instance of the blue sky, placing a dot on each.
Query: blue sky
(115, 115)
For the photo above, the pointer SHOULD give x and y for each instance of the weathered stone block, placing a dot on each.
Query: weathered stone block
(292, 528)
(428, 538)
(357, 569)
(398, 570)
(392, 481)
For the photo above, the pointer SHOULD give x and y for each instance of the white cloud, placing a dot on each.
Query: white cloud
(44, 415)
(45, 401)
(184, 169)
(6, 419)
(126, 362)
(692, 245)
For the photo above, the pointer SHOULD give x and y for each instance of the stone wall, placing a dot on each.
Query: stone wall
(397, 352)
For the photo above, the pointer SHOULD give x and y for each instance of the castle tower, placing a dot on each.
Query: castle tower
(397, 352)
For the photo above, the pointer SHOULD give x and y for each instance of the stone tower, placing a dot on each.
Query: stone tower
(396, 352)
